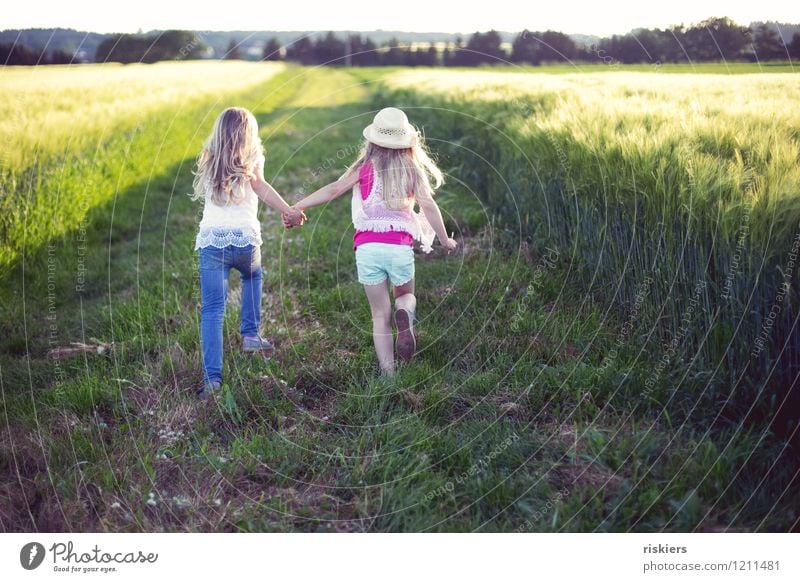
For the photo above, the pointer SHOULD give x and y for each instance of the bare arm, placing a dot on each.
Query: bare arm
(431, 211)
(269, 195)
(329, 191)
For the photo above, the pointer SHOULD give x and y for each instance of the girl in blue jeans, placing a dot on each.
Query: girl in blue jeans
(230, 179)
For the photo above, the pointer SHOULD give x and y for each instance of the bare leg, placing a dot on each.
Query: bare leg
(381, 306)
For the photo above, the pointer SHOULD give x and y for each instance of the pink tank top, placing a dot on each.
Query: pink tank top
(395, 237)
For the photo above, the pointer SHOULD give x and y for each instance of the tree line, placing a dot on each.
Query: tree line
(119, 48)
(17, 54)
(165, 46)
(714, 39)
(711, 40)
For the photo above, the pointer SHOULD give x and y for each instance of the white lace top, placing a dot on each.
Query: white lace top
(232, 224)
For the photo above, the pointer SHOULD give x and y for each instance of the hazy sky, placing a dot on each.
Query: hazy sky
(591, 17)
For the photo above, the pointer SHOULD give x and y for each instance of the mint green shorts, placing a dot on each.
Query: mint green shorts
(376, 262)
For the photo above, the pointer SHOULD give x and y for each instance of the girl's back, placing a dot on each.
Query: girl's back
(231, 157)
(230, 180)
(374, 221)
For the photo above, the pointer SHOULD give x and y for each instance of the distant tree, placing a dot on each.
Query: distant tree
(419, 57)
(767, 45)
(233, 53)
(431, 57)
(715, 39)
(301, 51)
(106, 48)
(447, 56)
(481, 48)
(173, 45)
(363, 52)
(408, 57)
(17, 54)
(712, 39)
(730, 38)
(272, 50)
(452, 57)
(190, 43)
(794, 46)
(658, 46)
(60, 57)
(122, 48)
(671, 45)
(329, 50)
(676, 44)
(556, 46)
(619, 49)
(647, 46)
(135, 48)
(370, 53)
(462, 54)
(525, 48)
(699, 44)
(393, 54)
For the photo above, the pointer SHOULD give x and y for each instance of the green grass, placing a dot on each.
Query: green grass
(516, 417)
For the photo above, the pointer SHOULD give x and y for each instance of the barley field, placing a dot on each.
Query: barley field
(57, 126)
(691, 181)
(614, 348)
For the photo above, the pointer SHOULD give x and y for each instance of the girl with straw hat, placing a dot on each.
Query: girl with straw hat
(392, 173)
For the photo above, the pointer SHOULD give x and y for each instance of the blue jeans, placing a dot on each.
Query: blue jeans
(215, 266)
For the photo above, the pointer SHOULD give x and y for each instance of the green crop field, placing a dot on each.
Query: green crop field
(613, 348)
(65, 127)
(691, 181)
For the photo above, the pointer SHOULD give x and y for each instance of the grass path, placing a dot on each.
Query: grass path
(507, 421)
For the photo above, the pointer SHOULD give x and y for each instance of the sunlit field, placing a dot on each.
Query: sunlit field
(612, 348)
(59, 123)
(46, 111)
(684, 189)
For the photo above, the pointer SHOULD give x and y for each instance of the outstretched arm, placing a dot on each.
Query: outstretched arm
(329, 191)
(270, 196)
(431, 211)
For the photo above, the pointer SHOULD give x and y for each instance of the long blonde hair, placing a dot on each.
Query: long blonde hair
(229, 157)
(405, 173)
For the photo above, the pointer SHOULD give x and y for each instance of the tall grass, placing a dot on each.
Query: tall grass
(62, 126)
(683, 189)
(47, 111)
(511, 419)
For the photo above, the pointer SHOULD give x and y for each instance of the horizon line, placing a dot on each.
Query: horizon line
(382, 30)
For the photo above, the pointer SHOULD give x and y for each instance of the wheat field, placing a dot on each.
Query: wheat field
(613, 348)
(690, 181)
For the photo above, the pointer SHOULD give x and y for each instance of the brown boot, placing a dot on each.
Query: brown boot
(406, 335)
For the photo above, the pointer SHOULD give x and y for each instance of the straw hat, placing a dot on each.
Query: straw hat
(391, 129)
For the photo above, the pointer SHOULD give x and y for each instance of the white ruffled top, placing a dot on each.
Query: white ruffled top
(235, 223)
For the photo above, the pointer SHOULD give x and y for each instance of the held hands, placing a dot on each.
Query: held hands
(295, 218)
